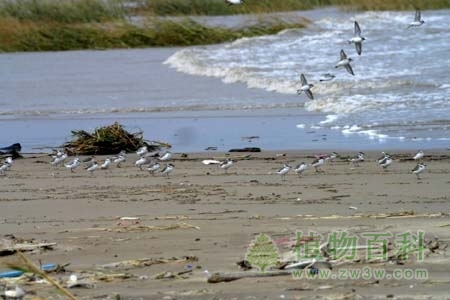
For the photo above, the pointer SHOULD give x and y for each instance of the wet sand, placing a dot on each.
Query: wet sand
(201, 211)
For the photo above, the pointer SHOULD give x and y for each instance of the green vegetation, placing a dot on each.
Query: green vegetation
(51, 36)
(219, 7)
(40, 25)
(62, 11)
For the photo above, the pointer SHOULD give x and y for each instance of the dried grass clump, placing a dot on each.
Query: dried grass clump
(108, 140)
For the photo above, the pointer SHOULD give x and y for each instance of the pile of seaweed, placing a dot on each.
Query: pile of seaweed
(108, 140)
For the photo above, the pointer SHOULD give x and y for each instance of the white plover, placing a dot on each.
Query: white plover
(360, 157)
(419, 155)
(326, 77)
(331, 157)
(386, 162)
(419, 168)
(144, 160)
(167, 170)
(300, 168)
(417, 20)
(357, 39)
(166, 156)
(317, 163)
(226, 164)
(141, 151)
(93, 167)
(75, 163)
(284, 170)
(58, 160)
(306, 87)
(345, 62)
(153, 167)
(105, 165)
(119, 159)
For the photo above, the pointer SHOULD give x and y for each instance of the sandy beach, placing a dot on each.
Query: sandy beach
(201, 220)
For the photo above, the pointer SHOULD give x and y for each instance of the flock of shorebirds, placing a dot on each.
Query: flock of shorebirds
(344, 61)
(154, 162)
(158, 162)
(384, 161)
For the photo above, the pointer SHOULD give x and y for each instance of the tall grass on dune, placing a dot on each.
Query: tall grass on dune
(63, 11)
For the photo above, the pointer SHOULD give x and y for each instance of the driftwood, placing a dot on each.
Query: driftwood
(25, 247)
(144, 262)
(232, 276)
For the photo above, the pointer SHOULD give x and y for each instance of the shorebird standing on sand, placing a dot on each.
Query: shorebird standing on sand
(167, 170)
(419, 168)
(6, 166)
(153, 167)
(93, 167)
(300, 168)
(141, 151)
(106, 164)
(73, 164)
(166, 156)
(357, 159)
(144, 160)
(386, 162)
(119, 158)
(58, 160)
(226, 164)
(284, 170)
(419, 155)
(317, 163)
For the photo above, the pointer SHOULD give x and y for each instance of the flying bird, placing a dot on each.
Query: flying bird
(357, 39)
(417, 20)
(306, 87)
(345, 62)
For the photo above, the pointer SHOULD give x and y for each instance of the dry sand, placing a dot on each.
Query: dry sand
(223, 213)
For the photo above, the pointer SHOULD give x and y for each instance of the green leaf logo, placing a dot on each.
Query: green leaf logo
(263, 253)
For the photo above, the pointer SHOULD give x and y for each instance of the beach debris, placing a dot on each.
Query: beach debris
(12, 245)
(73, 282)
(125, 221)
(13, 292)
(173, 275)
(12, 150)
(246, 149)
(109, 140)
(353, 208)
(145, 228)
(232, 276)
(210, 161)
(145, 262)
(27, 264)
(17, 273)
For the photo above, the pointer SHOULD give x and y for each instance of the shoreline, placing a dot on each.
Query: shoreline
(201, 212)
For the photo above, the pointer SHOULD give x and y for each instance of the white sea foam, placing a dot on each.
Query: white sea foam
(329, 119)
(401, 74)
